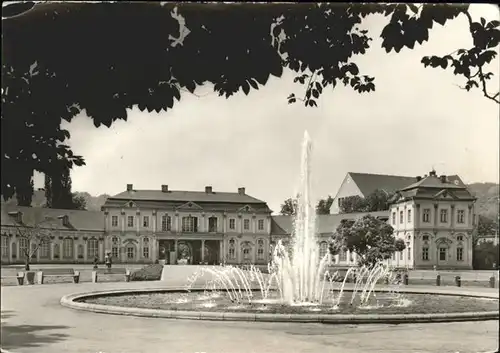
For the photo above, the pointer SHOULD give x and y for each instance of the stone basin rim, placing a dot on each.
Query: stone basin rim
(70, 301)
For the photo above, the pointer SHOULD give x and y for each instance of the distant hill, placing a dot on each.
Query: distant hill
(487, 199)
(94, 203)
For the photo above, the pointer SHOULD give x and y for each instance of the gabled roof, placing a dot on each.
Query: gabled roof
(185, 196)
(368, 183)
(325, 224)
(78, 219)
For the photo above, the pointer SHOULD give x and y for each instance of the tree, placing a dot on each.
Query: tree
(58, 192)
(378, 201)
(35, 235)
(288, 207)
(486, 226)
(42, 84)
(485, 256)
(353, 204)
(323, 206)
(370, 238)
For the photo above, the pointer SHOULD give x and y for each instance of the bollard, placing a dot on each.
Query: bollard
(39, 277)
(492, 282)
(20, 278)
(127, 276)
(405, 279)
(458, 281)
(76, 277)
(438, 280)
(30, 277)
(94, 276)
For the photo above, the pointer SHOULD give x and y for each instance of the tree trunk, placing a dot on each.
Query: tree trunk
(27, 263)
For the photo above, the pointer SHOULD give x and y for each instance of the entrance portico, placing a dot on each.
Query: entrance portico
(185, 250)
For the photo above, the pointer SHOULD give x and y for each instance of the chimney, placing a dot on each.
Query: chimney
(164, 188)
(130, 187)
(432, 173)
(208, 189)
(419, 178)
(443, 178)
(241, 191)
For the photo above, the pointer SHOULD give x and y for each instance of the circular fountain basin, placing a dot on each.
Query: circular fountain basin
(438, 305)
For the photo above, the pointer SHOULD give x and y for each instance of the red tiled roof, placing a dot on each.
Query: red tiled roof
(78, 219)
(283, 225)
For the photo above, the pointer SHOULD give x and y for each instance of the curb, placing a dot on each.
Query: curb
(69, 301)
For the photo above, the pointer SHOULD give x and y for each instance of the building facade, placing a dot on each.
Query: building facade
(56, 236)
(435, 217)
(187, 227)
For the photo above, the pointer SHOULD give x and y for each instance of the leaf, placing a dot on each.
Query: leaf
(291, 96)
(312, 103)
(413, 8)
(291, 100)
(315, 93)
(245, 87)
(483, 21)
(493, 24)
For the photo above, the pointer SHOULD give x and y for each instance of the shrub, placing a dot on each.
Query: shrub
(147, 273)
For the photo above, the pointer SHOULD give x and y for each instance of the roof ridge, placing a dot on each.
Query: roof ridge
(385, 175)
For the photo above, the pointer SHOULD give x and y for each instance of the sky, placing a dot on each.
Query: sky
(416, 120)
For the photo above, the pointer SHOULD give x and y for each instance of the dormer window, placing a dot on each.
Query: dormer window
(247, 208)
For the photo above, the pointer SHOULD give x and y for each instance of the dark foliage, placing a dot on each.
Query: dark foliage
(147, 273)
(288, 207)
(323, 206)
(370, 238)
(62, 58)
(379, 200)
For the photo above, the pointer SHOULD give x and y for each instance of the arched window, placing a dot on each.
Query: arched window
(45, 249)
(232, 249)
(323, 249)
(23, 248)
(80, 251)
(56, 251)
(130, 252)
(92, 248)
(114, 247)
(260, 249)
(145, 247)
(247, 251)
(14, 250)
(68, 252)
(212, 224)
(189, 224)
(5, 246)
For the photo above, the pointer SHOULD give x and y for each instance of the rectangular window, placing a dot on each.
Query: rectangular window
(442, 254)
(460, 254)
(145, 252)
(232, 223)
(460, 216)
(130, 252)
(246, 224)
(23, 248)
(45, 249)
(114, 252)
(114, 221)
(166, 223)
(426, 216)
(260, 254)
(189, 224)
(130, 221)
(343, 255)
(409, 216)
(401, 219)
(443, 216)
(212, 225)
(68, 251)
(5, 246)
(425, 254)
(261, 224)
(145, 221)
(393, 218)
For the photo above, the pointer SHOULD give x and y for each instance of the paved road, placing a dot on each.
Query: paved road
(34, 321)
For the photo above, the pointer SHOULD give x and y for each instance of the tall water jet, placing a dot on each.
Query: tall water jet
(300, 274)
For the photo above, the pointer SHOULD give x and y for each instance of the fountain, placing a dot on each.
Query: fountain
(297, 286)
(300, 278)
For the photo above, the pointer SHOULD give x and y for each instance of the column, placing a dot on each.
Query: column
(51, 246)
(84, 250)
(138, 218)
(469, 217)
(416, 220)
(9, 244)
(436, 216)
(221, 251)
(452, 219)
(123, 219)
(153, 221)
(154, 247)
(254, 224)
(177, 228)
(101, 250)
(203, 250)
